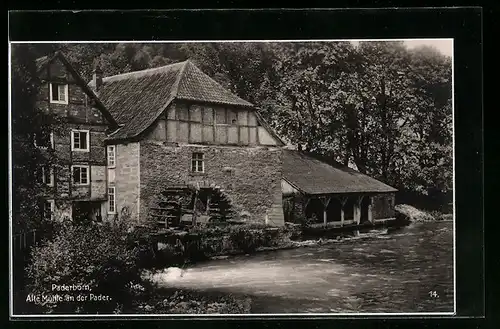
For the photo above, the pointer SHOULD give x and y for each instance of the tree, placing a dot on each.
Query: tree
(378, 107)
(28, 122)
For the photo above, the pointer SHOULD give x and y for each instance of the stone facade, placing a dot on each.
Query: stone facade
(127, 177)
(250, 176)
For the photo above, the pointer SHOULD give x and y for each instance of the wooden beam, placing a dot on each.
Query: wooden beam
(357, 209)
(325, 201)
(342, 199)
(370, 210)
(308, 199)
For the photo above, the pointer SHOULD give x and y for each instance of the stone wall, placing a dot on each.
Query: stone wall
(127, 173)
(250, 176)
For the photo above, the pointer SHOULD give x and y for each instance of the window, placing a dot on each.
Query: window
(111, 156)
(44, 139)
(80, 175)
(48, 176)
(48, 209)
(197, 163)
(111, 200)
(80, 140)
(59, 93)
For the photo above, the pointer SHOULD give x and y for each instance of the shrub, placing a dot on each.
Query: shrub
(102, 256)
(247, 239)
(409, 213)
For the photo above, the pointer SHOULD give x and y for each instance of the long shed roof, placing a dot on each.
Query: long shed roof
(311, 175)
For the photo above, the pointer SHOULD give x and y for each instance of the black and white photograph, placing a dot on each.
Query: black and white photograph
(232, 177)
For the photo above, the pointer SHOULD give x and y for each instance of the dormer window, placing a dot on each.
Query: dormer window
(58, 93)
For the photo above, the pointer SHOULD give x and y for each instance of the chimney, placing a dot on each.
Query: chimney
(97, 78)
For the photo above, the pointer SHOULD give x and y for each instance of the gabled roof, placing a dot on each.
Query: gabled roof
(137, 99)
(311, 175)
(42, 62)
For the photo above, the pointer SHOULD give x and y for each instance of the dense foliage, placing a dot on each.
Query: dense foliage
(100, 256)
(376, 106)
(27, 123)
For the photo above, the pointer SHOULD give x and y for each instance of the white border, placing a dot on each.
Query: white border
(454, 183)
(232, 41)
(229, 316)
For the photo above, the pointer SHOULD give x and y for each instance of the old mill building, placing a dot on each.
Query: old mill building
(140, 143)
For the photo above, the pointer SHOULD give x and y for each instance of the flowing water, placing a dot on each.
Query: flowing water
(408, 270)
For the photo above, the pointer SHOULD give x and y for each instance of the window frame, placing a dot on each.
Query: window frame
(51, 175)
(196, 161)
(111, 164)
(87, 167)
(112, 211)
(73, 131)
(44, 147)
(58, 101)
(52, 208)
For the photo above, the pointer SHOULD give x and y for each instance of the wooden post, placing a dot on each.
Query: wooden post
(357, 209)
(343, 201)
(370, 213)
(325, 201)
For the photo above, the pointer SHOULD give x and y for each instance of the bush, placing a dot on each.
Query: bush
(100, 256)
(247, 239)
(409, 213)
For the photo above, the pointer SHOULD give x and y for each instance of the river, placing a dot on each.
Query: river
(408, 270)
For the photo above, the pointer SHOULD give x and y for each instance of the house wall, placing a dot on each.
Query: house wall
(126, 180)
(250, 176)
(77, 114)
(194, 123)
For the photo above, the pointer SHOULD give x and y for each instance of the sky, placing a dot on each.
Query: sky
(445, 46)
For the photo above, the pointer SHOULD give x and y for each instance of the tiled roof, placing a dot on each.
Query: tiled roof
(137, 99)
(41, 61)
(311, 175)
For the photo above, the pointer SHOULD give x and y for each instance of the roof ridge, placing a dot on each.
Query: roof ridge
(122, 76)
(200, 71)
(175, 87)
